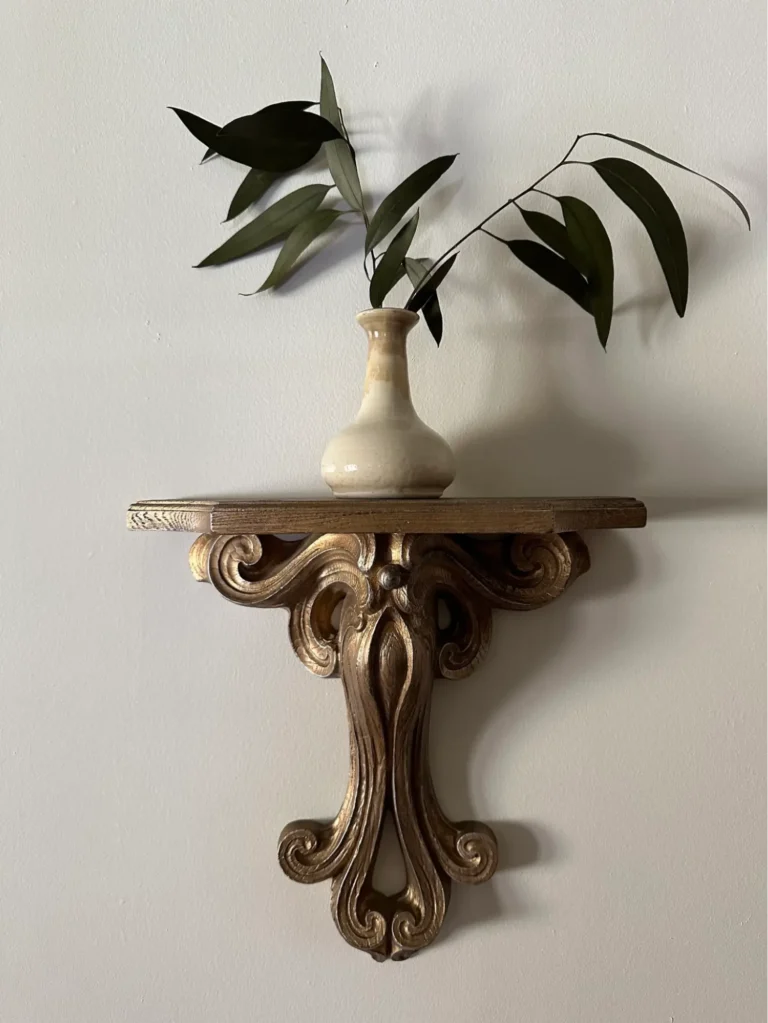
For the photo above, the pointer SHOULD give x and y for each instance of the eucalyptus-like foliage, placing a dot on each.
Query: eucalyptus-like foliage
(392, 264)
(417, 269)
(572, 252)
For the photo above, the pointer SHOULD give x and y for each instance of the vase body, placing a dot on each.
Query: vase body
(387, 451)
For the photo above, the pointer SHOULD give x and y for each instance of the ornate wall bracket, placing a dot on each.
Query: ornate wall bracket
(364, 605)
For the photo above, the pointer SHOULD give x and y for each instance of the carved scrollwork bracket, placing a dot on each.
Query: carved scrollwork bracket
(365, 606)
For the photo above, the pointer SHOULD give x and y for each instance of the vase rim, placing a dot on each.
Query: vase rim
(387, 315)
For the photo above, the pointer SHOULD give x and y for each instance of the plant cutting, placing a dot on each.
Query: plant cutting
(388, 451)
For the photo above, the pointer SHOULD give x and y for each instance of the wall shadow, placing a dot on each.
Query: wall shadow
(516, 673)
(553, 446)
(521, 844)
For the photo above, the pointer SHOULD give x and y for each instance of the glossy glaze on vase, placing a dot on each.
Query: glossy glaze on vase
(387, 451)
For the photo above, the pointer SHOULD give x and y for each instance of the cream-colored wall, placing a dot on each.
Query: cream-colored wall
(155, 739)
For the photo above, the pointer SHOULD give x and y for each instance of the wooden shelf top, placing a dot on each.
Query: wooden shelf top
(340, 515)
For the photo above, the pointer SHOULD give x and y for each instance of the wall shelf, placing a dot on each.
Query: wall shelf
(381, 568)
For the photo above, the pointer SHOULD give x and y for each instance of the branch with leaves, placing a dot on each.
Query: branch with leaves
(573, 254)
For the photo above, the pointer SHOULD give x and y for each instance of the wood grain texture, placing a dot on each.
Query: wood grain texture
(171, 516)
(442, 515)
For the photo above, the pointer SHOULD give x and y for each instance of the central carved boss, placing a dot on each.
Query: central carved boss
(365, 606)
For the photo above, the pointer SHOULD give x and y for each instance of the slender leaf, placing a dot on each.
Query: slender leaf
(329, 107)
(433, 316)
(341, 164)
(553, 268)
(281, 152)
(281, 137)
(429, 285)
(280, 120)
(277, 220)
(208, 154)
(417, 267)
(390, 268)
(297, 241)
(593, 257)
(339, 152)
(549, 230)
(400, 200)
(253, 186)
(650, 203)
(667, 159)
(204, 131)
(399, 274)
(288, 106)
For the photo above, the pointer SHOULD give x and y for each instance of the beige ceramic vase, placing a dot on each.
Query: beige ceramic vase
(387, 451)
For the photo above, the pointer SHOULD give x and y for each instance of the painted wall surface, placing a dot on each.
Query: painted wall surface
(155, 739)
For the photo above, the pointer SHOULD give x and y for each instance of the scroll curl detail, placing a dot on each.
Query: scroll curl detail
(310, 577)
(367, 607)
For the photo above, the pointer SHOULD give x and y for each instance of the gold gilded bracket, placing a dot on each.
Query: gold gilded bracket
(365, 606)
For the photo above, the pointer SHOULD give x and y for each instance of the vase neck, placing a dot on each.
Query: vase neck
(387, 389)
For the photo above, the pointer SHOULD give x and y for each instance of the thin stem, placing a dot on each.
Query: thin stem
(509, 202)
(492, 235)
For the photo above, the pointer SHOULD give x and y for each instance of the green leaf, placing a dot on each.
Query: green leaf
(549, 230)
(433, 316)
(650, 203)
(593, 257)
(417, 267)
(208, 133)
(553, 268)
(280, 119)
(277, 147)
(297, 241)
(667, 159)
(390, 268)
(254, 185)
(400, 200)
(339, 153)
(204, 131)
(282, 136)
(341, 164)
(329, 108)
(429, 285)
(276, 221)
